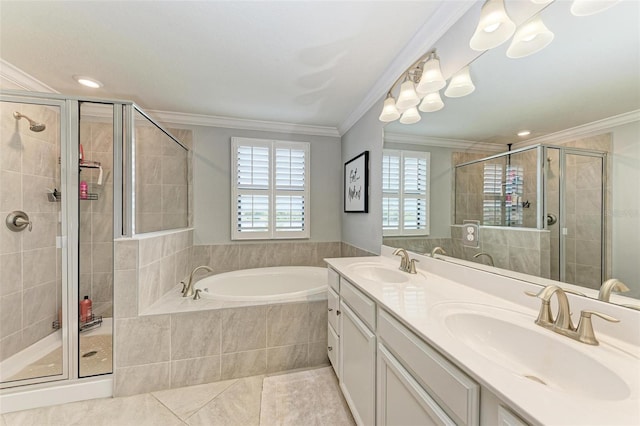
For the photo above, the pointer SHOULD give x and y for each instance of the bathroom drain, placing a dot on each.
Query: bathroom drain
(536, 379)
(90, 353)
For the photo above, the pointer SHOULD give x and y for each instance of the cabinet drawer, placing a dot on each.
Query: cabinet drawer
(333, 305)
(364, 307)
(333, 279)
(458, 394)
(333, 349)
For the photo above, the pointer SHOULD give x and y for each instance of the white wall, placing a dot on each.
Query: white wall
(626, 206)
(212, 183)
(364, 230)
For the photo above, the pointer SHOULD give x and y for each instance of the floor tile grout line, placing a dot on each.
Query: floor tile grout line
(174, 414)
(235, 381)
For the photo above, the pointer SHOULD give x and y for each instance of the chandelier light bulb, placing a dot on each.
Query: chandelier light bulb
(591, 7)
(432, 102)
(389, 110)
(408, 96)
(494, 26)
(460, 84)
(531, 37)
(432, 79)
(410, 116)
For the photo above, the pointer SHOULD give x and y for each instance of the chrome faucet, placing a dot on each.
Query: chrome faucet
(475, 256)
(437, 250)
(187, 289)
(610, 285)
(562, 324)
(406, 263)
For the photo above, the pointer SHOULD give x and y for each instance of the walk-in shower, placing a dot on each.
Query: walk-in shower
(542, 209)
(68, 186)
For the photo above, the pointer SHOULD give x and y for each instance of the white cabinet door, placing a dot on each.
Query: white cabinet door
(358, 365)
(401, 400)
(333, 350)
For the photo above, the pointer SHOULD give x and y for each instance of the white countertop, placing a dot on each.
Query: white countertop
(417, 301)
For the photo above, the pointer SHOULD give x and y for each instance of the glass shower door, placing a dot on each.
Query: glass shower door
(32, 261)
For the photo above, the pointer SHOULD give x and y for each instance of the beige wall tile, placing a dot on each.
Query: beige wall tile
(287, 324)
(126, 254)
(195, 371)
(142, 379)
(285, 358)
(195, 334)
(142, 340)
(318, 321)
(244, 329)
(243, 364)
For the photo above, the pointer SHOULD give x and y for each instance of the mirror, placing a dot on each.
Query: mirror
(580, 99)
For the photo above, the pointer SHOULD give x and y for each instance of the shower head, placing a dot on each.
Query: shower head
(33, 126)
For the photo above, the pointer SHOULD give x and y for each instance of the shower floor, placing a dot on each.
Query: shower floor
(96, 357)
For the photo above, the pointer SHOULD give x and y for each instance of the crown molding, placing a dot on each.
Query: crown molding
(241, 123)
(584, 130)
(447, 14)
(21, 79)
(465, 145)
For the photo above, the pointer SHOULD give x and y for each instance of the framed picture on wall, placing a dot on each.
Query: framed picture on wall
(356, 184)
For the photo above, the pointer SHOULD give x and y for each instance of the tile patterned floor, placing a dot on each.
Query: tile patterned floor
(302, 398)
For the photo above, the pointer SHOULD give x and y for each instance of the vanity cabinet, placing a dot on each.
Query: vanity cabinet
(358, 353)
(333, 318)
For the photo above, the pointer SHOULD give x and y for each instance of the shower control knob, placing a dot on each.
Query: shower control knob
(18, 221)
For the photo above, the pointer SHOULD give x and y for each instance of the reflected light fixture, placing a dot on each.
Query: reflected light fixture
(591, 7)
(494, 26)
(431, 79)
(531, 37)
(460, 84)
(432, 102)
(408, 96)
(389, 110)
(523, 133)
(410, 116)
(88, 81)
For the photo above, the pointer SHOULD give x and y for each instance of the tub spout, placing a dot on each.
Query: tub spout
(188, 288)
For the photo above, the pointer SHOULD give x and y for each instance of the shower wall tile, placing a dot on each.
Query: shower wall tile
(33, 332)
(102, 257)
(10, 273)
(10, 242)
(11, 314)
(10, 191)
(126, 254)
(189, 372)
(126, 293)
(39, 266)
(143, 340)
(39, 158)
(39, 302)
(142, 379)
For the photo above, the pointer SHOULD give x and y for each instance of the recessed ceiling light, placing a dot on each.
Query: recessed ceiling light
(524, 133)
(87, 81)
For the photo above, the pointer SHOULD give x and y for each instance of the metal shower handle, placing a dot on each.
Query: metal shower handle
(18, 221)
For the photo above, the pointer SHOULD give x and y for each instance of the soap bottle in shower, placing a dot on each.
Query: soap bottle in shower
(84, 190)
(85, 309)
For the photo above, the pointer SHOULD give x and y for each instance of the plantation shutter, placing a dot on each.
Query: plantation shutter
(290, 190)
(492, 190)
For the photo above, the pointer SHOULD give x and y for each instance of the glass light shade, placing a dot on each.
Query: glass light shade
(410, 116)
(460, 84)
(531, 37)
(494, 27)
(408, 96)
(431, 102)
(591, 7)
(389, 110)
(432, 79)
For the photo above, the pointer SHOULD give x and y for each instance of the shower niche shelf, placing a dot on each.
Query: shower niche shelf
(90, 197)
(93, 322)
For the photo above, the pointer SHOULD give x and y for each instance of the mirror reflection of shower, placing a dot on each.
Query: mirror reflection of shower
(33, 126)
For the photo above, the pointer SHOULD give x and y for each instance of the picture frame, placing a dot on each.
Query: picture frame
(356, 184)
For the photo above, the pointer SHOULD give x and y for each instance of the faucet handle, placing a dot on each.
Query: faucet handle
(545, 318)
(412, 266)
(585, 327)
(184, 287)
(196, 295)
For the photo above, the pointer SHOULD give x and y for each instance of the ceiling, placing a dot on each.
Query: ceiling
(304, 62)
(589, 72)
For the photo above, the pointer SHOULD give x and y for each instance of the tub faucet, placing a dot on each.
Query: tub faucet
(437, 250)
(477, 255)
(187, 289)
(610, 285)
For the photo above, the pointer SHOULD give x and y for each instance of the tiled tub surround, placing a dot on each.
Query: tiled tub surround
(172, 350)
(30, 273)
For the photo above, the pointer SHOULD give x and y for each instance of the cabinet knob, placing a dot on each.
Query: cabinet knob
(330, 348)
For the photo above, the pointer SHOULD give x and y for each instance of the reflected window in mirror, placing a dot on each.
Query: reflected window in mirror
(405, 192)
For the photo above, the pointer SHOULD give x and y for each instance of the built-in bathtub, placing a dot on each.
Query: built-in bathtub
(278, 283)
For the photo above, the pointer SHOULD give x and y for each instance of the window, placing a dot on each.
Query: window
(501, 201)
(405, 192)
(270, 189)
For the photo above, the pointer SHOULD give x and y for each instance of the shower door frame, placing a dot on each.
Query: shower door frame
(64, 241)
(562, 222)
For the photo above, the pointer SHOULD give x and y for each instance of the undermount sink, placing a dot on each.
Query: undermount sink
(380, 273)
(512, 341)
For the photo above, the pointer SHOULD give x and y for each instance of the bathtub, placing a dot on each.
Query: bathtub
(265, 284)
